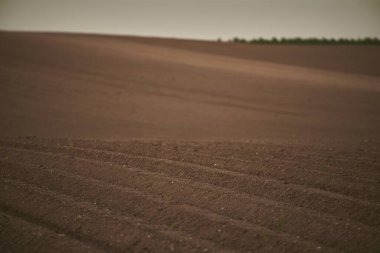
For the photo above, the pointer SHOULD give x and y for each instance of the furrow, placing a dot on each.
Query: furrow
(273, 215)
(230, 160)
(20, 234)
(298, 195)
(275, 156)
(225, 231)
(86, 221)
(291, 165)
(334, 154)
(338, 187)
(335, 204)
(362, 194)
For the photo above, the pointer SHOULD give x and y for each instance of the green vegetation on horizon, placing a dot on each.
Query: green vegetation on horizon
(297, 40)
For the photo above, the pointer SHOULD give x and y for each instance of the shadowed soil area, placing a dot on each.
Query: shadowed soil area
(128, 144)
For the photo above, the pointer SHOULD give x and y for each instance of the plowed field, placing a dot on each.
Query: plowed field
(125, 144)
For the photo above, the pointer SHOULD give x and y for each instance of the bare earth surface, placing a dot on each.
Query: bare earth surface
(126, 144)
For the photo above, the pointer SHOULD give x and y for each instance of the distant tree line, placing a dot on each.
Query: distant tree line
(313, 41)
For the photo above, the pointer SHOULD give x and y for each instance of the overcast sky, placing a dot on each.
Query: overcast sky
(201, 19)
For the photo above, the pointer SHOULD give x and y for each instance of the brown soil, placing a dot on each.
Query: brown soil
(139, 144)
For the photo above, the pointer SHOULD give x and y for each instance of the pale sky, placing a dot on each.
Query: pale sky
(200, 19)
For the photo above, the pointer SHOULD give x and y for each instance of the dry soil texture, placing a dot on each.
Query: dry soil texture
(126, 144)
(81, 86)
